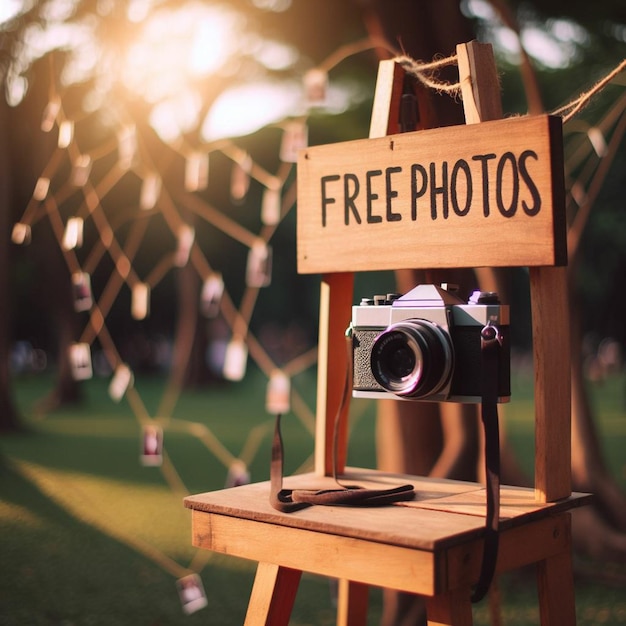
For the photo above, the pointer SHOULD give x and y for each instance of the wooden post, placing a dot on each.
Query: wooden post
(551, 343)
(555, 584)
(332, 396)
(352, 603)
(387, 98)
(450, 609)
(273, 594)
(480, 87)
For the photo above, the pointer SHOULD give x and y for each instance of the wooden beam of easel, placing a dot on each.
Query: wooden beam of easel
(332, 396)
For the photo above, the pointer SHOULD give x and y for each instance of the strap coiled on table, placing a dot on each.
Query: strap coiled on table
(290, 500)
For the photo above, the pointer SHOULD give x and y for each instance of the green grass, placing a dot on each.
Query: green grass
(88, 536)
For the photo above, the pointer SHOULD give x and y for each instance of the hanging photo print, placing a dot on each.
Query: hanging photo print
(211, 297)
(73, 235)
(295, 138)
(21, 234)
(140, 301)
(80, 361)
(66, 133)
(259, 268)
(238, 474)
(152, 446)
(191, 593)
(278, 393)
(235, 360)
(81, 288)
(270, 206)
(121, 381)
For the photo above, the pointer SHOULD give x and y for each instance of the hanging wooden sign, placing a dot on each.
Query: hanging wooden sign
(447, 197)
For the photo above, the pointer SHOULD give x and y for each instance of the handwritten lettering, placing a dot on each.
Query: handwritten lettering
(391, 194)
(435, 190)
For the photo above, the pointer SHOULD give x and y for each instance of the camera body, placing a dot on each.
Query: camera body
(426, 345)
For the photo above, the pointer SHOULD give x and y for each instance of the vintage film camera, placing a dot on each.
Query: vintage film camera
(426, 345)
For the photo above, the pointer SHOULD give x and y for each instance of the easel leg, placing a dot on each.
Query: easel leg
(450, 609)
(555, 581)
(352, 605)
(273, 595)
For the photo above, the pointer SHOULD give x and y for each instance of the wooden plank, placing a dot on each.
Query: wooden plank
(387, 97)
(551, 343)
(362, 561)
(352, 603)
(555, 582)
(514, 502)
(401, 526)
(519, 546)
(480, 87)
(333, 397)
(273, 594)
(463, 196)
(377, 563)
(443, 513)
(253, 499)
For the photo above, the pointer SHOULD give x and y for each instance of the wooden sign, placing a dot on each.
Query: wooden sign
(489, 194)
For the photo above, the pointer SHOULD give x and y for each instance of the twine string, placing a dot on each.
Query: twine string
(571, 109)
(426, 73)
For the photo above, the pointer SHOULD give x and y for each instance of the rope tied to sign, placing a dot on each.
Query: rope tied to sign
(425, 73)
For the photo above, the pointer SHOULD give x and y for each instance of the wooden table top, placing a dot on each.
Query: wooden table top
(442, 514)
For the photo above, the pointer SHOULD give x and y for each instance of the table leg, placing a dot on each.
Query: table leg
(273, 595)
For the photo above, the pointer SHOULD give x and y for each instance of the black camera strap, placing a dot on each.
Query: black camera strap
(289, 500)
(490, 342)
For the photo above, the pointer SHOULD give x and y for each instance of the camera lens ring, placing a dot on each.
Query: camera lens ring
(413, 358)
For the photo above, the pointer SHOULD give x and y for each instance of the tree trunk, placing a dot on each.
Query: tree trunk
(9, 417)
(56, 292)
(589, 470)
(187, 325)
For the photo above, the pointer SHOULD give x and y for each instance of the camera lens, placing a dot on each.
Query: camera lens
(412, 358)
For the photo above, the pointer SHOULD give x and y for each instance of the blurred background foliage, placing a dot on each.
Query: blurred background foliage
(91, 52)
(193, 75)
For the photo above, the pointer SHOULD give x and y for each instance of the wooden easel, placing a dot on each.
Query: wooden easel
(481, 102)
(431, 546)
